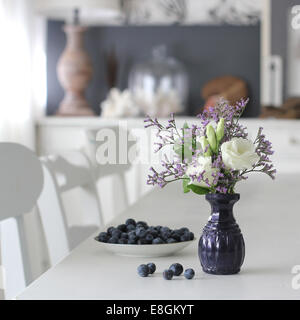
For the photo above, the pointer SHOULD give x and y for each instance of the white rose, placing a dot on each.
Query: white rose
(239, 154)
(202, 164)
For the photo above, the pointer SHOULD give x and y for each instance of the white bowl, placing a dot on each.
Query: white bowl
(145, 250)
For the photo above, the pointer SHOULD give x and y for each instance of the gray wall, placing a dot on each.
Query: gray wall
(279, 33)
(206, 51)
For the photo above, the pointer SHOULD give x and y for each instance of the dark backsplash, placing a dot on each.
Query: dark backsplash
(206, 51)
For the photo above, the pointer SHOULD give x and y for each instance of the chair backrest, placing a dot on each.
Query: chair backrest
(21, 182)
(63, 173)
(110, 143)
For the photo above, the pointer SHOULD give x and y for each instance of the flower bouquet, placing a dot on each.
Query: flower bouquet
(211, 158)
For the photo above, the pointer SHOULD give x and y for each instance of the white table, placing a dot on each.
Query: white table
(268, 214)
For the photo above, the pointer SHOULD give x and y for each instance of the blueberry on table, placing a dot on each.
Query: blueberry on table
(130, 222)
(152, 267)
(113, 240)
(177, 269)
(143, 270)
(157, 241)
(116, 233)
(122, 227)
(189, 273)
(168, 274)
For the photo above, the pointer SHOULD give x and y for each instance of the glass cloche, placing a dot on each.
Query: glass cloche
(159, 86)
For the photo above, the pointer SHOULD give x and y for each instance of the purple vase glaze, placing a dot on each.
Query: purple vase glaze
(221, 247)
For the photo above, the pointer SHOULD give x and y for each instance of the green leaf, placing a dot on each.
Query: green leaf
(198, 189)
(185, 183)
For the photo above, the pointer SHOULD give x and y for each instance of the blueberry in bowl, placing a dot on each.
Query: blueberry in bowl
(143, 240)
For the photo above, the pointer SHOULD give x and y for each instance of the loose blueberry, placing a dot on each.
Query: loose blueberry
(152, 267)
(189, 273)
(143, 270)
(157, 241)
(168, 274)
(130, 222)
(177, 269)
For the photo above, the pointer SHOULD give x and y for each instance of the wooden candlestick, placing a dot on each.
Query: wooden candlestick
(74, 71)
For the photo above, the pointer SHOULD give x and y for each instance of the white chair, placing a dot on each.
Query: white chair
(110, 174)
(21, 183)
(64, 173)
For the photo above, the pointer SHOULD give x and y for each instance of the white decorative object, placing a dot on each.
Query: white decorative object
(160, 104)
(145, 250)
(119, 104)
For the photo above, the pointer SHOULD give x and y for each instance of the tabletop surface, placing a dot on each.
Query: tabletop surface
(267, 213)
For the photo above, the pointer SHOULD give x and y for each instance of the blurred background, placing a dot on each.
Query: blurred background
(71, 66)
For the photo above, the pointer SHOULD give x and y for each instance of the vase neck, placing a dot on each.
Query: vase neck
(222, 206)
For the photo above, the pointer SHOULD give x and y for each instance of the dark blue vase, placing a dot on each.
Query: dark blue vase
(221, 246)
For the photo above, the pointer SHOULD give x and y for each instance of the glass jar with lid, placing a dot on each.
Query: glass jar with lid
(159, 86)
